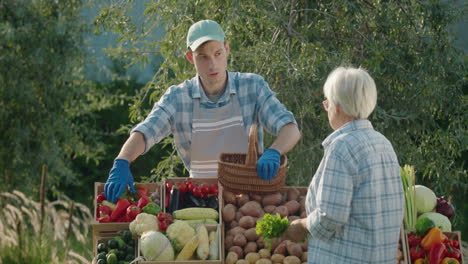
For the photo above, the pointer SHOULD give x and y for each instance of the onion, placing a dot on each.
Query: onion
(445, 207)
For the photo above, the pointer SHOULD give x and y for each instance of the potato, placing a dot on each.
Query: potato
(282, 210)
(250, 247)
(239, 240)
(293, 207)
(293, 249)
(270, 209)
(260, 242)
(235, 230)
(238, 250)
(302, 203)
(303, 214)
(290, 218)
(272, 199)
(233, 224)
(229, 213)
(264, 253)
(239, 215)
(275, 242)
(252, 257)
(242, 199)
(281, 248)
(263, 261)
(291, 260)
(231, 258)
(304, 257)
(251, 234)
(229, 241)
(293, 194)
(277, 258)
(256, 197)
(247, 222)
(251, 208)
(229, 197)
(242, 261)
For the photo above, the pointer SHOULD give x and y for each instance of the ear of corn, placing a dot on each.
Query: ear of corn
(195, 213)
(214, 245)
(187, 252)
(203, 247)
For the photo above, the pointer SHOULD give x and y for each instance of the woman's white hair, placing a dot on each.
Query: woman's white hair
(353, 90)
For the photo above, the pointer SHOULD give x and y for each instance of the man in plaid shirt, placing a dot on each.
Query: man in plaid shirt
(355, 201)
(209, 114)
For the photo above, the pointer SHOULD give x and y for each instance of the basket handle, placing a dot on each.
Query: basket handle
(252, 152)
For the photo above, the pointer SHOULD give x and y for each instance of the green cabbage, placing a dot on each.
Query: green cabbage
(156, 247)
(426, 199)
(441, 221)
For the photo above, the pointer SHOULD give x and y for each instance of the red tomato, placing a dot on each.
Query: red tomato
(196, 191)
(182, 188)
(205, 189)
(214, 189)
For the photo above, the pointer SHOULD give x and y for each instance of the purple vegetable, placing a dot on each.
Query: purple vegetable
(445, 207)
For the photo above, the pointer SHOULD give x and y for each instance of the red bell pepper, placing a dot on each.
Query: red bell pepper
(120, 208)
(104, 210)
(122, 219)
(437, 253)
(452, 252)
(132, 212)
(144, 200)
(416, 252)
(141, 189)
(104, 219)
(100, 198)
(414, 240)
(164, 220)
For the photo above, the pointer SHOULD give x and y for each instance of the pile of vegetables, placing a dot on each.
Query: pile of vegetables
(429, 245)
(427, 218)
(128, 206)
(117, 250)
(189, 194)
(254, 224)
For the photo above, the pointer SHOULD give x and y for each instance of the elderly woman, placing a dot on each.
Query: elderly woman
(355, 201)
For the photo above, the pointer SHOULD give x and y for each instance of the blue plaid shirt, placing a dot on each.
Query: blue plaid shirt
(173, 113)
(355, 201)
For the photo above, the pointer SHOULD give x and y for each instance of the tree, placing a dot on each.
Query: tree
(47, 105)
(406, 47)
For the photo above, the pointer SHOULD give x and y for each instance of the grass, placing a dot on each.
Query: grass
(48, 232)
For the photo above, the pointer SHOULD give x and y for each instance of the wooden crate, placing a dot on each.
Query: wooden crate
(209, 228)
(99, 237)
(208, 181)
(451, 235)
(100, 227)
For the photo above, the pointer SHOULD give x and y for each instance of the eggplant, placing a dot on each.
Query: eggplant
(212, 203)
(196, 202)
(174, 199)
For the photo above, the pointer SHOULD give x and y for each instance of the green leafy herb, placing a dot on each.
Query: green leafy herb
(271, 226)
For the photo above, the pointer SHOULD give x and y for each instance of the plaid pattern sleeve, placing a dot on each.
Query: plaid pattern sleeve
(355, 200)
(334, 195)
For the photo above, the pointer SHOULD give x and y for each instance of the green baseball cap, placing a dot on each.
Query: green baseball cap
(203, 31)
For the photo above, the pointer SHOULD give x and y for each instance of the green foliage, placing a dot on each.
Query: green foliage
(272, 226)
(46, 103)
(295, 44)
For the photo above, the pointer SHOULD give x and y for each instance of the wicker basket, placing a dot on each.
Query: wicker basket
(237, 172)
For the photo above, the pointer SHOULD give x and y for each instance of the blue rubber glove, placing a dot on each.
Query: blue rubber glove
(119, 177)
(268, 164)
